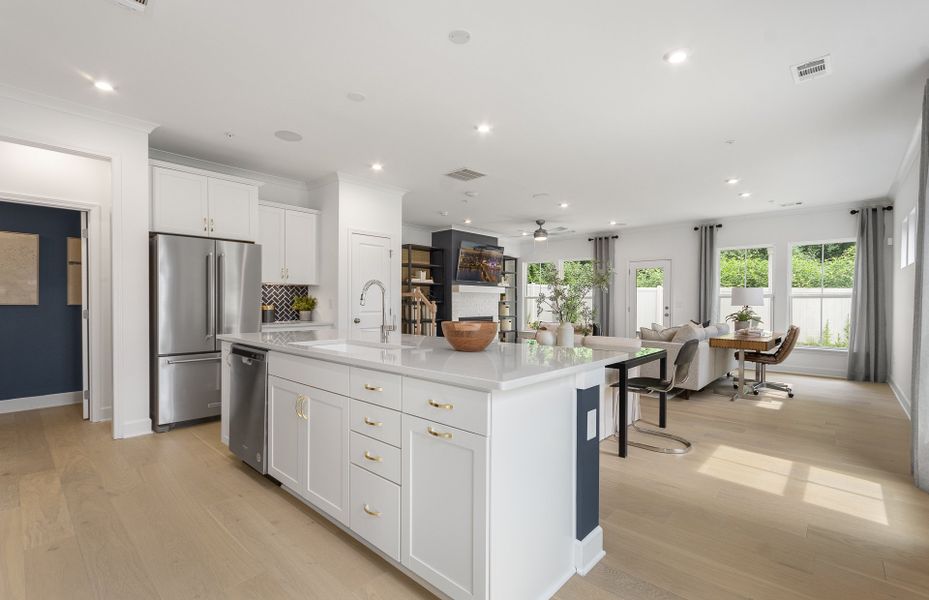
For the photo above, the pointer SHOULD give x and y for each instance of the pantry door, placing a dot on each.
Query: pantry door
(370, 258)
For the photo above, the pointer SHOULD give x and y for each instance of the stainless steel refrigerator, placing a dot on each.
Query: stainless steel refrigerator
(199, 288)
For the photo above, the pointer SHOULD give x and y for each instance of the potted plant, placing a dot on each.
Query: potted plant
(565, 298)
(304, 305)
(743, 318)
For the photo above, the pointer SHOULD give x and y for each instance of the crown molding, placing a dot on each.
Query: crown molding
(73, 108)
(909, 158)
(233, 171)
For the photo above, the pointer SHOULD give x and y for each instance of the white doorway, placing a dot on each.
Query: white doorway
(650, 294)
(370, 258)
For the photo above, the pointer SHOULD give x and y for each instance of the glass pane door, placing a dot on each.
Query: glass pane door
(651, 302)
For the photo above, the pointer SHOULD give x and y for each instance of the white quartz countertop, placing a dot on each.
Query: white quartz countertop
(501, 366)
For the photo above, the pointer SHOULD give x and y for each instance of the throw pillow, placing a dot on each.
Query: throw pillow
(699, 324)
(650, 334)
(686, 333)
(667, 333)
(710, 331)
(722, 328)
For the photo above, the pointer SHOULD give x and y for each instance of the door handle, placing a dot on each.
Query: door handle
(356, 320)
(192, 360)
(210, 296)
(220, 262)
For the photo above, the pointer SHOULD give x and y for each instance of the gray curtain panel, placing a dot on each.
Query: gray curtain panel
(919, 391)
(708, 302)
(867, 344)
(603, 261)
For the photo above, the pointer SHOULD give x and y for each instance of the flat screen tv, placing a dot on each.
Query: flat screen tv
(480, 263)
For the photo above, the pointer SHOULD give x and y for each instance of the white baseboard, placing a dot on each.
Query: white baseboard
(902, 398)
(814, 371)
(136, 428)
(36, 402)
(589, 551)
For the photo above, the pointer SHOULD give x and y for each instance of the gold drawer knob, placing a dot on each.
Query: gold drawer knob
(372, 457)
(373, 388)
(441, 405)
(439, 434)
(373, 423)
(371, 511)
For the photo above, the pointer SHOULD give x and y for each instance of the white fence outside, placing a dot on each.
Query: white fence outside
(649, 306)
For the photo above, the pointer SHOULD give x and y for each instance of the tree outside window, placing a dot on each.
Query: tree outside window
(822, 277)
(538, 277)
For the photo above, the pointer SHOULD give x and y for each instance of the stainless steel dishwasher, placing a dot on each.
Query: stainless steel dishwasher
(248, 415)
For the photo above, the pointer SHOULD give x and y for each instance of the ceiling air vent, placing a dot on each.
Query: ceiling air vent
(133, 4)
(814, 69)
(464, 175)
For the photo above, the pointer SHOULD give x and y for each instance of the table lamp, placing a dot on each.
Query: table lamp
(747, 297)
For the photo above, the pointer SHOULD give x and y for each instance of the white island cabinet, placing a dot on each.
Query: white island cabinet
(461, 469)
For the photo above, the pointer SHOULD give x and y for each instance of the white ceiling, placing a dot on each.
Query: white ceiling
(583, 107)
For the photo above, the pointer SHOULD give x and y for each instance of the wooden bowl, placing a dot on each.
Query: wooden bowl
(469, 336)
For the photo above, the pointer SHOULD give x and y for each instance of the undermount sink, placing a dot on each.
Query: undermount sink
(351, 346)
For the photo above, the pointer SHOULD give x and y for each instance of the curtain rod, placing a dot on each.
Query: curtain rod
(855, 212)
(718, 225)
(612, 237)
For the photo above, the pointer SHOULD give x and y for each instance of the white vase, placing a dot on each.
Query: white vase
(545, 337)
(566, 335)
(740, 325)
(306, 315)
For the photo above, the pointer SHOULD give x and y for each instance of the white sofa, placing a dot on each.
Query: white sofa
(709, 364)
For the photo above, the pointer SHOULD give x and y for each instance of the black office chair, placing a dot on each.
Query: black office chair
(656, 385)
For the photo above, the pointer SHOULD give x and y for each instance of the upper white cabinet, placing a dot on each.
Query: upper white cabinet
(190, 201)
(289, 239)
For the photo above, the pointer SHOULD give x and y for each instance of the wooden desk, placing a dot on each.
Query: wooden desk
(763, 343)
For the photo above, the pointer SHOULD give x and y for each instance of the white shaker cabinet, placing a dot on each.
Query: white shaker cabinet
(286, 431)
(190, 201)
(289, 238)
(444, 507)
(325, 470)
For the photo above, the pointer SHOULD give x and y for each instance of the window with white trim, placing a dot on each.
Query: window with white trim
(822, 275)
(537, 274)
(746, 267)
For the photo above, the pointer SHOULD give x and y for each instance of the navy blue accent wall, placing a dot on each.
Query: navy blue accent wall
(588, 464)
(40, 346)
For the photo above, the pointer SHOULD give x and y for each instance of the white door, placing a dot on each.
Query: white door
(370, 259)
(650, 294)
(444, 507)
(301, 241)
(286, 431)
(271, 240)
(326, 475)
(233, 210)
(179, 203)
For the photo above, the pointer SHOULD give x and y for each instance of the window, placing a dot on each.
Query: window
(822, 276)
(745, 267)
(537, 277)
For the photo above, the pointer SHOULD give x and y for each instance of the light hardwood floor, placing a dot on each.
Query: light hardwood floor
(780, 499)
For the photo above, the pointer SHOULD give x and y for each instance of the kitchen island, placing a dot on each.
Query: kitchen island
(475, 473)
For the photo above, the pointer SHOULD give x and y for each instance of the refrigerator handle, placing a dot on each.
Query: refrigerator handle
(220, 291)
(210, 297)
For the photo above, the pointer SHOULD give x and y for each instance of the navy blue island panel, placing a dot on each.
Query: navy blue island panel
(588, 464)
(40, 353)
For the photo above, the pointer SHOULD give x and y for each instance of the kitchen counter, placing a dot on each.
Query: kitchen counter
(501, 366)
(296, 325)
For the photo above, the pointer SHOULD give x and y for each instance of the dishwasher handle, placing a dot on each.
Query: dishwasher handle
(249, 355)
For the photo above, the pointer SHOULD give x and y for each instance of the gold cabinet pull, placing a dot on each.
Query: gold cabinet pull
(373, 388)
(211, 225)
(371, 511)
(297, 402)
(445, 406)
(301, 407)
(439, 434)
(373, 458)
(373, 423)
(204, 223)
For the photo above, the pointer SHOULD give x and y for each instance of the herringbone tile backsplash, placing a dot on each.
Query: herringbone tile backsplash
(281, 296)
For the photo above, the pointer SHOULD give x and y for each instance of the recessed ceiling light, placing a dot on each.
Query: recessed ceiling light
(444, 213)
(377, 167)
(676, 57)
(471, 194)
(563, 205)
(459, 36)
(745, 195)
(525, 233)
(288, 136)
(612, 222)
(104, 86)
(356, 96)
(467, 221)
(732, 180)
(483, 128)
(229, 135)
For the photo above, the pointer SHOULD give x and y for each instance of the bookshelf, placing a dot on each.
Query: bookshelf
(508, 308)
(423, 269)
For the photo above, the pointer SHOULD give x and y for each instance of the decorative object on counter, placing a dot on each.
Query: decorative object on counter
(545, 337)
(565, 298)
(282, 296)
(469, 336)
(746, 298)
(19, 268)
(304, 306)
(268, 314)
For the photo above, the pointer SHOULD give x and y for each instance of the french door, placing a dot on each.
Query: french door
(649, 294)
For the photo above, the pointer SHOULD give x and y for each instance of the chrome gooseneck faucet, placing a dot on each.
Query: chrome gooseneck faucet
(385, 328)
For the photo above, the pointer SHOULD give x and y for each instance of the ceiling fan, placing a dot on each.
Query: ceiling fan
(541, 234)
